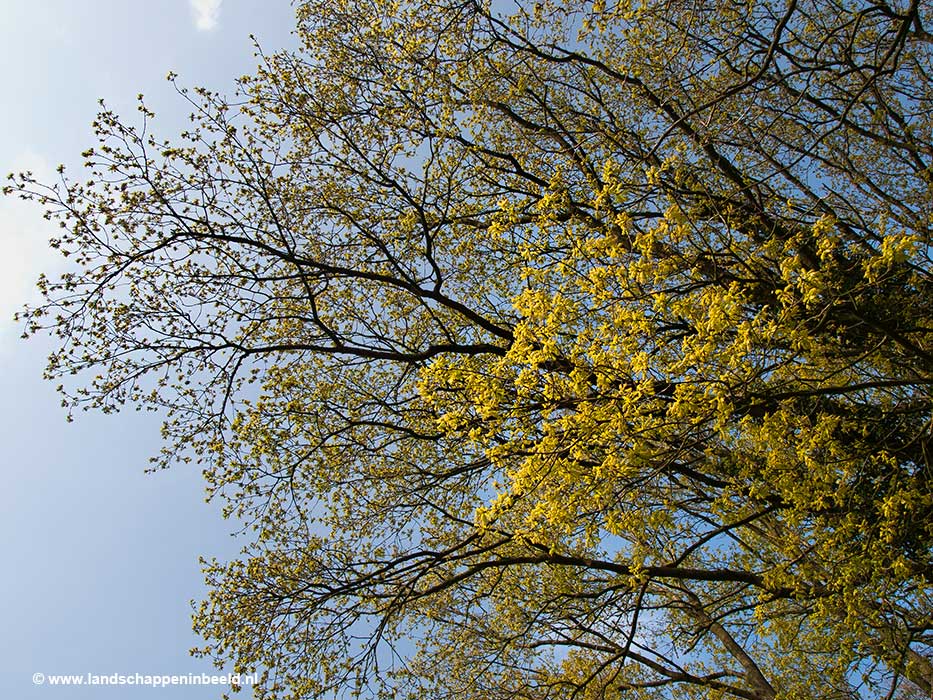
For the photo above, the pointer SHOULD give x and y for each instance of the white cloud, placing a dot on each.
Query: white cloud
(206, 13)
(24, 243)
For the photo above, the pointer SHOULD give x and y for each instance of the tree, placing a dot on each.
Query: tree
(551, 350)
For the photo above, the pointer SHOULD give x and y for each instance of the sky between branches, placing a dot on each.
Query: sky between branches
(100, 559)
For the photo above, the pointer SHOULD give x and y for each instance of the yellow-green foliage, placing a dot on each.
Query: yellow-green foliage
(550, 350)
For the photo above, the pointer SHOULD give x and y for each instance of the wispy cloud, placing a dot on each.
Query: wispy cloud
(206, 13)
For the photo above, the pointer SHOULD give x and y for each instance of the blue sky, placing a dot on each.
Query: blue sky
(100, 559)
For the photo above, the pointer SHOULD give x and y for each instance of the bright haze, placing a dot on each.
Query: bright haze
(101, 559)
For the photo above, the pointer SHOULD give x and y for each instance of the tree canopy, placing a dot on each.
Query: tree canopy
(549, 349)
